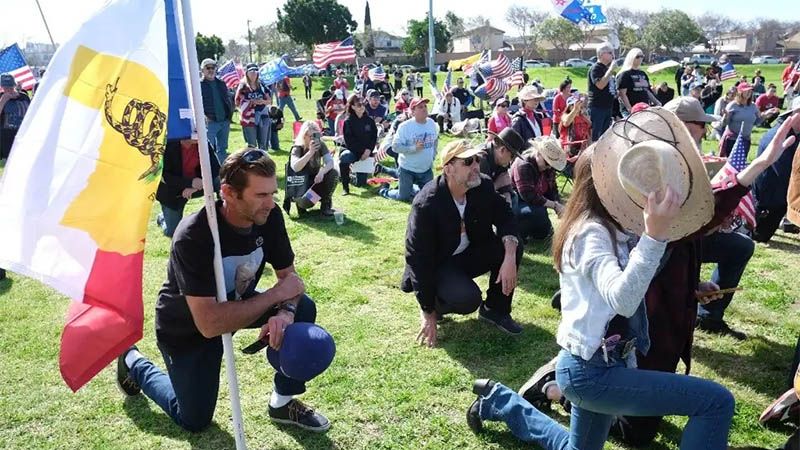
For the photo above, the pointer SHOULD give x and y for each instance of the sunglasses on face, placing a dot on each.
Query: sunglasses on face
(253, 155)
(639, 56)
(470, 160)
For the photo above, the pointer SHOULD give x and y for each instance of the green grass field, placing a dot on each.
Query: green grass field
(383, 391)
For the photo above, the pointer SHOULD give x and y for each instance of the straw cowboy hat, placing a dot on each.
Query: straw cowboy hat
(549, 149)
(530, 93)
(642, 154)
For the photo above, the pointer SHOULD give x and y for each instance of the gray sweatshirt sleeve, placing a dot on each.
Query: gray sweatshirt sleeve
(622, 289)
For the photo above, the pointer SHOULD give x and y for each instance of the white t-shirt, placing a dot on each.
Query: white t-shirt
(464, 239)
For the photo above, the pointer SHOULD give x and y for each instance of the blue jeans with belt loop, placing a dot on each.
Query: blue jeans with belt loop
(599, 391)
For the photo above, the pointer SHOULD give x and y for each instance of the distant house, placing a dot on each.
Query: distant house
(387, 44)
(766, 43)
(485, 37)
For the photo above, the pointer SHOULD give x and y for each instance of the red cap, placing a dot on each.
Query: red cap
(418, 101)
(744, 86)
(639, 107)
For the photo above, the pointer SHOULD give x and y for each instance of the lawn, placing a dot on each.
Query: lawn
(383, 391)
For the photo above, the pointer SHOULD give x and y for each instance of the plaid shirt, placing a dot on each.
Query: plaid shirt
(534, 187)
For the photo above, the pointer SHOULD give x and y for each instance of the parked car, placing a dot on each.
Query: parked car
(535, 63)
(576, 62)
(408, 67)
(766, 59)
(699, 58)
(735, 58)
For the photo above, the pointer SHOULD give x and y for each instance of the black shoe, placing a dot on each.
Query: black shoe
(327, 212)
(789, 227)
(555, 300)
(481, 388)
(719, 327)
(298, 414)
(125, 383)
(502, 321)
(287, 206)
(533, 390)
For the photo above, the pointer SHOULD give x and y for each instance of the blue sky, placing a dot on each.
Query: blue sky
(213, 17)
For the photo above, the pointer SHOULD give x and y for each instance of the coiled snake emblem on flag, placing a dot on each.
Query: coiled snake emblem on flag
(148, 141)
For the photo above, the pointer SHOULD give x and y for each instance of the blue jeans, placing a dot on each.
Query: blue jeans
(601, 120)
(345, 159)
(409, 184)
(257, 136)
(288, 101)
(171, 217)
(600, 391)
(218, 136)
(534, 223)
(731, 252)
(188, 391)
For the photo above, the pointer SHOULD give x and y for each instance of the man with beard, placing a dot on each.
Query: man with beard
(190, 321)
(460, 228)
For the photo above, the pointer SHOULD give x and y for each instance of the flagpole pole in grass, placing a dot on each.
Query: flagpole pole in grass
(211, 211)
(431, 41)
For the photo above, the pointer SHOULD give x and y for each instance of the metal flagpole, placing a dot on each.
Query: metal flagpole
(211, 211)
(46, 27)
(431, 41)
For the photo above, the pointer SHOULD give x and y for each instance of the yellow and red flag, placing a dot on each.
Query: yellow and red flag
(76, 193)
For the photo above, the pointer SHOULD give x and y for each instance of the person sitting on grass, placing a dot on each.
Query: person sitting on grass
(447, 111)
(534, 180)
(500, 118)
(459, 228)
(360, 136)
(190, 321)
(415, 142)
(312, 159)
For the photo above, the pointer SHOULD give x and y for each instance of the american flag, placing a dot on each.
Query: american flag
(728, 71)
(334, 53)
(231, 73)
(501, 67)
(792, 77)
(492, 89)
(12, 62)
(737, 161)
(517, 77)
(470, 68)
(377, 74)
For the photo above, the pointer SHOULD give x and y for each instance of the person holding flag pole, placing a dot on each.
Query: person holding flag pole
(194, 321)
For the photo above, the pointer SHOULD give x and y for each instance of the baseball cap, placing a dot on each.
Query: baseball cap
(307, 350)
(418, 101)
(697, 85)
(459, 149)
(7, 80)
(744, 86)
(373, 93)
(207, 62)
(689, 109)
(252, 67)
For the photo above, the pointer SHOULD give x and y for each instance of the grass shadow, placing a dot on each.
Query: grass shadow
(139, 410)
(350, 229)
(535, 275)
(764, 368)
(309, 439)
(5, 284)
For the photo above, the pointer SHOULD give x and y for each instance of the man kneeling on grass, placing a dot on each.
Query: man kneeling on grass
(190, 321)
(451, 239)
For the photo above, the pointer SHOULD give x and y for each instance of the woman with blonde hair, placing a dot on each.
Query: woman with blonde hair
(311, 160)
(633, 85)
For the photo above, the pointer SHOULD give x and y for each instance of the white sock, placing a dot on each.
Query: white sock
(132, 357)
(277, 400)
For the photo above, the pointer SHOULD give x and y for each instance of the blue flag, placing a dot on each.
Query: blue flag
(596, 16)
(179, 126)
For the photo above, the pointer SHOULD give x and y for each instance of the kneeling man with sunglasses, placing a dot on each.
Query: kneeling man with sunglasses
(451, 239)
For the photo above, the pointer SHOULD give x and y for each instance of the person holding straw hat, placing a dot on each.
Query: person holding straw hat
(605, 267)
(534, 179)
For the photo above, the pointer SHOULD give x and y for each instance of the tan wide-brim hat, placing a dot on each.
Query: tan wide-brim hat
(644, 153)
(549, 149)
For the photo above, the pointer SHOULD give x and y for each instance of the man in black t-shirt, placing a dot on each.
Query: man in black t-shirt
(190, 321)
(462, 95)
(602, 91)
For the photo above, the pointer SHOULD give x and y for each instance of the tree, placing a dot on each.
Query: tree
(237, 51)
(628, 27)
(455, 25)
(713, 25)
(269, 42)
(560, 32)
(417, 41)
(587, 31)
(209, 46)
(672, 29)
(525, 21)
(310, 22)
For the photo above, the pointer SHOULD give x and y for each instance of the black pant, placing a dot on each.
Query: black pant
(767, 222)
(455, 290)
(308, 92)
(6, 141)
(443, 123)
(324, 190)
(419, 92)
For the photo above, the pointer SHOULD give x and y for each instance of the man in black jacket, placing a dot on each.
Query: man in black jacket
(218, 107)
(450, 239)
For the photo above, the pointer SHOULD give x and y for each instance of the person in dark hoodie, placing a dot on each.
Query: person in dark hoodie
(181, 180)
(360, 136)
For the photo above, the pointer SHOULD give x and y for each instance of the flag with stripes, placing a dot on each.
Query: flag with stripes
(728, 71)
(12, 62)
(517, 77)
(737, 161)
(377, 74)
(492, 89)
(792, 78)
(470, 68)
(231, 73)
(499, 68)
(334, 53)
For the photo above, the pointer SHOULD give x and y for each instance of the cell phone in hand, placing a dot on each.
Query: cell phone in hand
(256, 346)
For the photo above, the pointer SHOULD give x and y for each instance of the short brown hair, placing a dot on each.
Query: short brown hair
(235, 168)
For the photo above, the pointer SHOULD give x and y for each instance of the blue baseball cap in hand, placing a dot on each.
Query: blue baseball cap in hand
(307, 350)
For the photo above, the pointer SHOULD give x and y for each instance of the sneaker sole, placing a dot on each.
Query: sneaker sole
(776, 411)
(300, 425)
(504, 330)
(537, 376)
